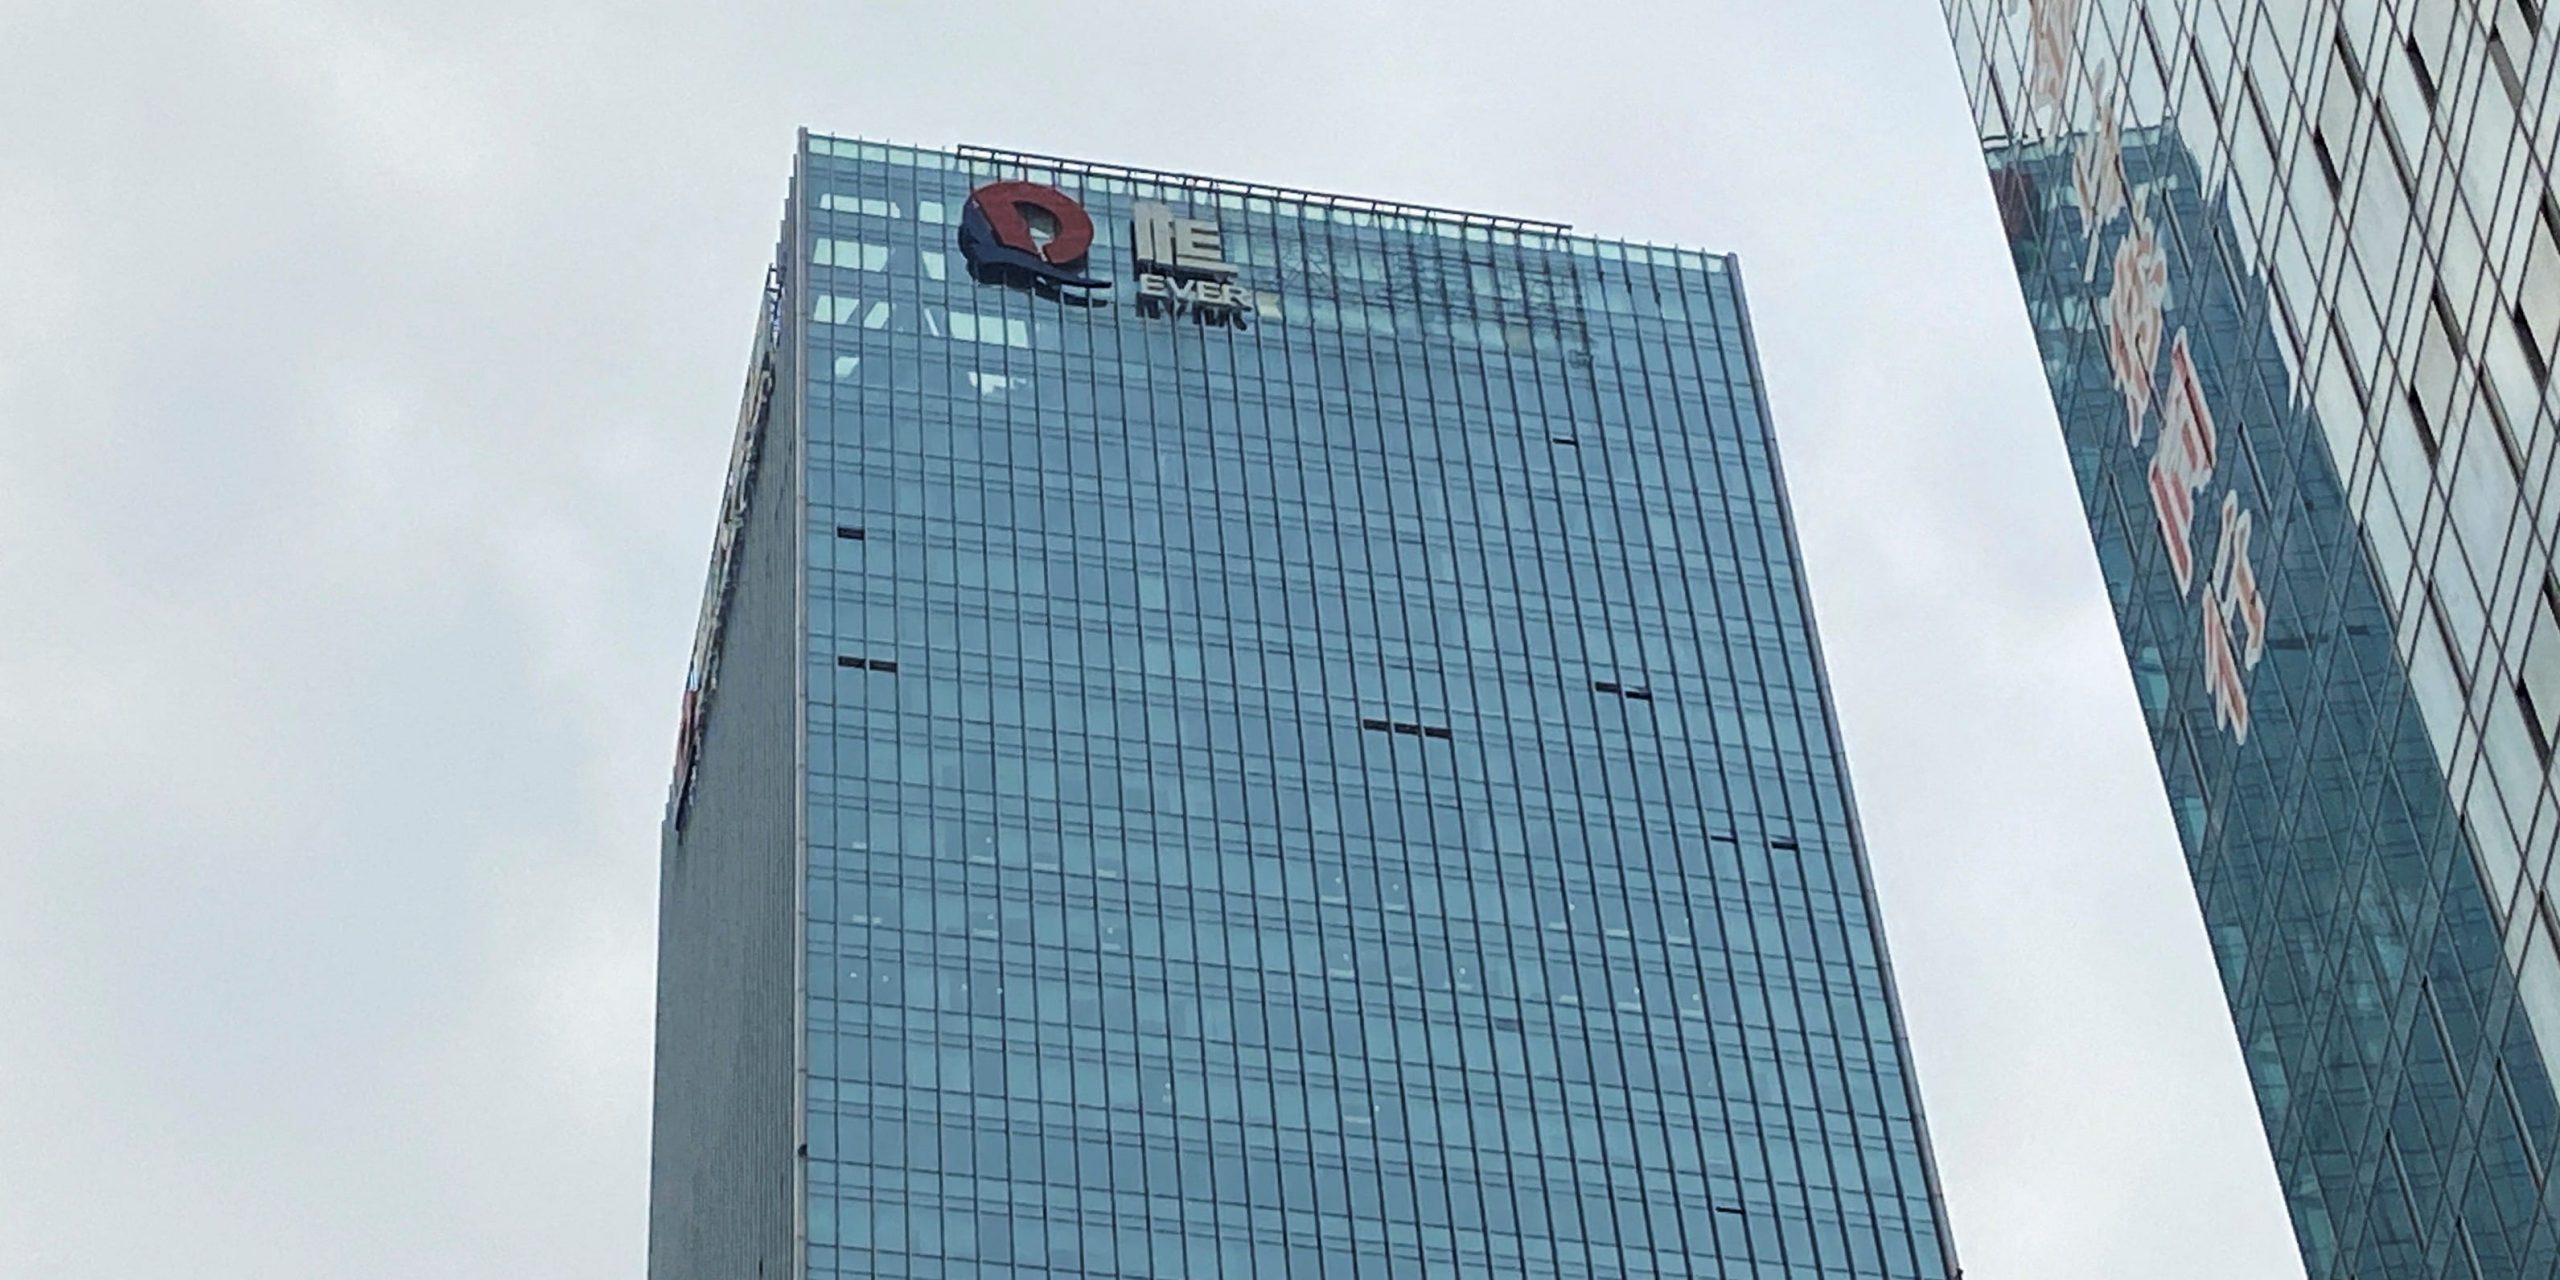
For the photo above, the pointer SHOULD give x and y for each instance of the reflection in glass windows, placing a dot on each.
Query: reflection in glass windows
(2326, 511)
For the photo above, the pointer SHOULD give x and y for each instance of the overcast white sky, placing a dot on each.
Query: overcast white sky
(366, 376)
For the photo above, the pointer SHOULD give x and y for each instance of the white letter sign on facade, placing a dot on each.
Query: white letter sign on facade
(1185, 246)
(1183, 268)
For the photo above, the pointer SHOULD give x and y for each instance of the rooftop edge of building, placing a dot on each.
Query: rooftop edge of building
(1457, 224)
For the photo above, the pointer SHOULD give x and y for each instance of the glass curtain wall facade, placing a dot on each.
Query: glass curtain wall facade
(1285, 738)
(2294, 268)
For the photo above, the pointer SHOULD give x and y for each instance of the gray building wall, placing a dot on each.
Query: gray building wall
(721, 1168)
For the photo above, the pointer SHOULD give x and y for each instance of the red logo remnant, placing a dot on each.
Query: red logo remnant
(996, 232)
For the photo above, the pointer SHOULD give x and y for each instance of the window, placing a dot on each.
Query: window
(2502, 59)
(2336, 126)
(2426, 76)
(2538, 688)
(2426, 430)
(998, 331)
(2433, 376)
(2205, 81)
(2349, 358)
(851, 255)
(2537, 309)
(2328, 162)
(868, 206)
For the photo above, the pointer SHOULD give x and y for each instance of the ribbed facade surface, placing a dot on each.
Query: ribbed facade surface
(723, 1189)
(2294, 267)
(1310, 757)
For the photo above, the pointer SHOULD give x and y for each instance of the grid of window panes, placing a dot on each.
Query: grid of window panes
(1350, 797)
(2390, 163)
(2406, 1105)
(2356, 221)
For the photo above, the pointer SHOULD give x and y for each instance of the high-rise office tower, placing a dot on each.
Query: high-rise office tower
(2295, 270)
(1245, 733)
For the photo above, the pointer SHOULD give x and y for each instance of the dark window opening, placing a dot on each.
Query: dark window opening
(2533, 720)
(1409, 728)
(849, 533)
(1641, 695)
(2542, 714)
(2014, 190)
(2444, 639)
(2351, 360)
(853, 663)
(2444, 315)
(1783, 842)
(2532, 346)
(2346, 54)
(2204, 81)
(2151, 37)
(2506, 433)
(2502, 60)
(2284, 316)
(2258, 107)
(2509, 39)
(2426, 74)
(1567, 441)
(2426, 429)
(1605, 686)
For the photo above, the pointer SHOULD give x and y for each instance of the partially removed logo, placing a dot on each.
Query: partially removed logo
(1026, 228)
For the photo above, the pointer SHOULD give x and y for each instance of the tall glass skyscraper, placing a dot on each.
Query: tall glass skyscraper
(1244, 733)
(2294, 266)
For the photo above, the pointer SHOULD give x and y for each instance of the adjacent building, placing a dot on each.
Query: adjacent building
(2294, 269)
(1245, 733)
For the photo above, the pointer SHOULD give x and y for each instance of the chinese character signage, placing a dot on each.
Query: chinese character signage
(2133, 319)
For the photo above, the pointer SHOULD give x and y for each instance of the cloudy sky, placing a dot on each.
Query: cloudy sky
(366, 375)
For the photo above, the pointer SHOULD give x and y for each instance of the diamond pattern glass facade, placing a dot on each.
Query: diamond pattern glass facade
(1351, 793)
(2294, 267)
